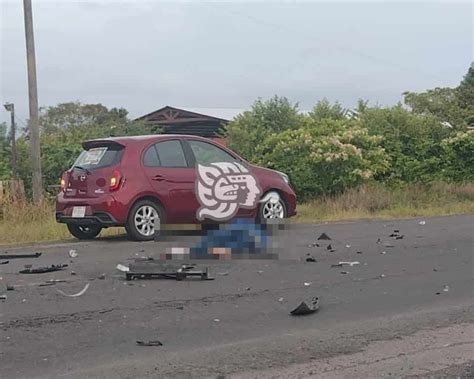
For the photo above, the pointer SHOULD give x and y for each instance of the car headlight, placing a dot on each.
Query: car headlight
(285, 177)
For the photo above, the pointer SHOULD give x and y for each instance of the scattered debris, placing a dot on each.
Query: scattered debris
(336, 265)
(435, 270)
(149, 343)
(307, 283)
(305, 309)
(73, 253)
(73, 272)
(349, 263)
(10, 288)
(446, 288)
(396, 234)
(382, 276)
(329, 247)
(383, 252)
(3, 297)
(387, 244)
(106, 310)
(223, 273)
(56, 281)
(423, 222)
(260, 271)
(42, 270)
(345, 272)
(122, 268)
(248, 288)
(314, 244)
(438, 293)
(180, 308)
(13, 256)
(348, 246)
(4, 262)
(324, 236)
(358, 252)
(101, 276)
(310, 258)
(281, 299)
(379, 240)
(216, 320)
(76, 294)
(153, 271)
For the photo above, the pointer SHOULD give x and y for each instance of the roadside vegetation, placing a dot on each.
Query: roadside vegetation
(411, 159)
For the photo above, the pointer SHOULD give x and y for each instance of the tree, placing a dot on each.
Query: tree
(5, 153)
(325, 110)
(466, 89)
(247, 131)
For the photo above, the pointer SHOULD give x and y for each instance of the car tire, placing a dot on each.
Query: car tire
(141, 218)
(84, 232)
(273, 207)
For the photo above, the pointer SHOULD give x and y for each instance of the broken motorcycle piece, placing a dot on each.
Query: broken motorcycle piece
(13, 256)
(149, 343)
(324, 236)
(306, 308)
(42, 270)
(151, 270)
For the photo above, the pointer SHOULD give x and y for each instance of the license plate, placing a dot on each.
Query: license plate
(78, 212)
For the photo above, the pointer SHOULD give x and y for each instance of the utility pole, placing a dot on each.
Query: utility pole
(37, 182)
(11, 108)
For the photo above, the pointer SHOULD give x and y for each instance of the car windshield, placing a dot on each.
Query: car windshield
(99, 157)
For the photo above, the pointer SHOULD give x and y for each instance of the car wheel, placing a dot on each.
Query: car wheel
(272, 207)
(142, 219)
(84, 232)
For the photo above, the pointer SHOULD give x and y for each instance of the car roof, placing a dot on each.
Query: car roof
(127, 140)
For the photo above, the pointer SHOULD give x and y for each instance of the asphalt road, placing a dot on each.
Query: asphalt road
(417, 293)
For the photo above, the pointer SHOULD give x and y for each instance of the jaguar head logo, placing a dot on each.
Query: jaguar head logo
(224, 187)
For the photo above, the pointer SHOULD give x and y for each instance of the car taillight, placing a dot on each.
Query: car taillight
(115, 181)
(64, 180)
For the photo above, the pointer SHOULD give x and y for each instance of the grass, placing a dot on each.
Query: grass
(27, 223)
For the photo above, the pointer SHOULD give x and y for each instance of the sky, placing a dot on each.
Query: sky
(219, 57)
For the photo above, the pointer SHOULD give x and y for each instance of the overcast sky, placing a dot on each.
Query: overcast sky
(220, 57)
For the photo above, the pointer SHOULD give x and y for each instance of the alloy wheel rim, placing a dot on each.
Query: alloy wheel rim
(273, 210)
(145, 218)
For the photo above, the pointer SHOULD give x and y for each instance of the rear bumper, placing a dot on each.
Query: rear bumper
(98, 218)
(104, 211)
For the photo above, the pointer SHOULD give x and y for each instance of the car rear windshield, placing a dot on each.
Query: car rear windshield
(99, 157)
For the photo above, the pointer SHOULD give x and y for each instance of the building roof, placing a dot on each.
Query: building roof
(180, 121)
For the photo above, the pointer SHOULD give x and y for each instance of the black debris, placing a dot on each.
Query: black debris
(329, 247)
(4, 262)
(358, 252)
(13, 256)
(344, 272)
(438, 293)
(306, 308)
(336, 265)
(3, 297)
(101, 277)
(10, 288)
(149, 343)
(324, 236)
(310, 258)
(379, 240)
(396, 234)
(151, 270)
(42, 270)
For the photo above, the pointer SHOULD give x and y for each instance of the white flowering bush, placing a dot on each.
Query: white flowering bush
(324, 157)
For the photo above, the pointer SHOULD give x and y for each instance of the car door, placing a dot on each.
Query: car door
(172, 178)
(205, 153)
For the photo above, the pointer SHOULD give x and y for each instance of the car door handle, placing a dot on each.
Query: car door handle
(158, 178)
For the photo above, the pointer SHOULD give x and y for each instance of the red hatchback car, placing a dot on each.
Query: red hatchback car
(137, 182)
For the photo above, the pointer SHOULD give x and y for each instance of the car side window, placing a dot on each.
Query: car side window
(150, 159)
(165, 154)
(171, 154)
(206, 153)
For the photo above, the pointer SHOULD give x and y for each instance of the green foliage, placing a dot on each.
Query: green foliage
(325, 110)
(453, 105)
(250, 128)
(5, 153)
(326, 156)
